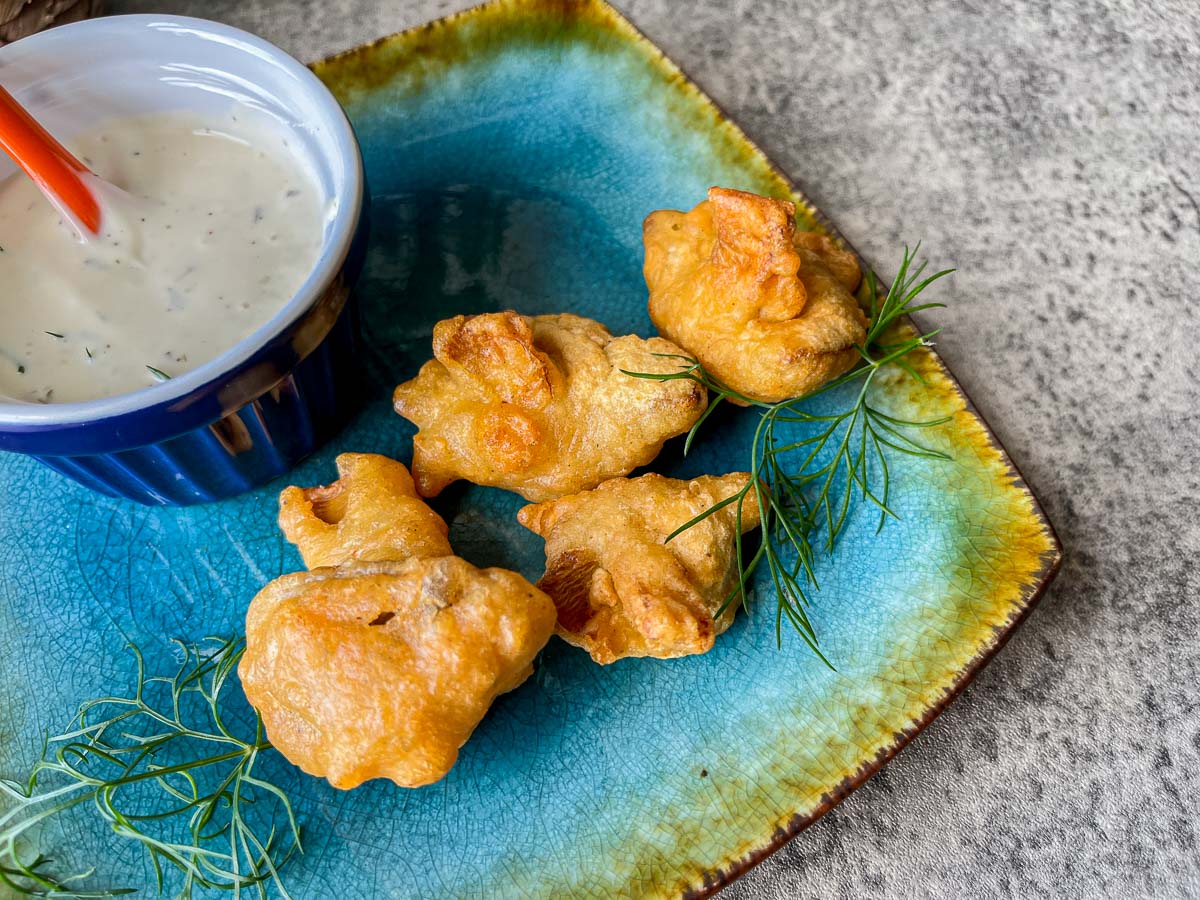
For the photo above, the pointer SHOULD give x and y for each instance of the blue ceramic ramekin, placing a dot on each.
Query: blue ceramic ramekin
(252, 413)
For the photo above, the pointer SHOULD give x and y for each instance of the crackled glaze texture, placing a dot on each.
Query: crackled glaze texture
(512, 153)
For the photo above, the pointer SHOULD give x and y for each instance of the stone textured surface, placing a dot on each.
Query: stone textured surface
(1050, 152)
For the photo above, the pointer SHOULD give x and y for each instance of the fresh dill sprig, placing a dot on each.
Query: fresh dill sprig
(163, 768)
(159, 374)
(804, 493)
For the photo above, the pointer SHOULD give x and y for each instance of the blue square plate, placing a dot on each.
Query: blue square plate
(513, 152)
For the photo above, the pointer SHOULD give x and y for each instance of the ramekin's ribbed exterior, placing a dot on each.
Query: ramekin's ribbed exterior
(257, 443)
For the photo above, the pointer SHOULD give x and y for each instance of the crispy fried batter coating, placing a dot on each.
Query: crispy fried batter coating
(539, 405)
(768, 311)
(620, 589)
(371, 512)
(383, 669)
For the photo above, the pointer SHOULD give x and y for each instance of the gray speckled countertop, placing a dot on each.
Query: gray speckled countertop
(1050, 151)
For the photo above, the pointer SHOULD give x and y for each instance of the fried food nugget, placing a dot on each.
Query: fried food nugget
(768, 311)
(619, 588)
(383, 669)
(539, 405)
(372, 512)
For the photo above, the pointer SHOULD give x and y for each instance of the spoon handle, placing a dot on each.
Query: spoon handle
(52, 167)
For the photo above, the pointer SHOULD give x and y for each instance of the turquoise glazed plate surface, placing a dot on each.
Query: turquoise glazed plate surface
(512, 153)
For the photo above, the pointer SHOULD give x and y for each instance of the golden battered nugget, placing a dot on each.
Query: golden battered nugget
(539, 405)
(768, 311)
(372, 512)
(620, 589)
(383, 669)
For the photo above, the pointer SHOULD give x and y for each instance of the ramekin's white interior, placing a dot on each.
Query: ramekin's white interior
(76, 76)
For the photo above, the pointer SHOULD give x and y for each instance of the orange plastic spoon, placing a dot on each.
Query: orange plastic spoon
(52, 167)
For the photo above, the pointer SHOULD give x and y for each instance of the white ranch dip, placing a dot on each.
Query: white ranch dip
(219, 224)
